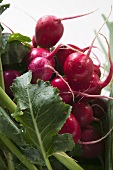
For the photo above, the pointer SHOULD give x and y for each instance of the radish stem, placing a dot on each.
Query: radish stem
(6, 101)
(16, 151)
(67, 161)
(1, 76)
(10, 161)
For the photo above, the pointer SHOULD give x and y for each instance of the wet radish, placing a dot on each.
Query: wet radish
(63, 88)
(35, 52)
(95, 150)
(9, 76)
(40, 69)
(78, 67)
(34, 41)
(90, 87)
(94, 85)
(49, 30)
(63, 53)
(83, 113)
(41, 52)
(72, 126)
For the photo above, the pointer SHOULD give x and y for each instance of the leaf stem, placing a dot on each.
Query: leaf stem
(1, 76)
(67, 161)
(47, 162)
(1, 69)
(6, 101)
(17, 152)
(10, 161)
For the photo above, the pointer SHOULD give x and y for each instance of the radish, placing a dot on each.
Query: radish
(63, 53)
(78, 67)
(40, 69)
(83, 113)
(41, 66)
(94, 85)
(9, 76)
(49, 30)
(35, 52)
(90, 87)
(95, 150)
(63, 88)
(34, 41)
(41, 52)
(72, 126)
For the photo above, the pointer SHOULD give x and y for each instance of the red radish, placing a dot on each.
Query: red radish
(41, 52)
(90, 87)
(83, 113)
(63, 53)
(49, 30)
(40, 69)
(34, 41)
(78, 67)
(9, 76)
(72, 126)
(95, 150)
(94, 85)
(90, 133)
(35, 52)
(63, 89)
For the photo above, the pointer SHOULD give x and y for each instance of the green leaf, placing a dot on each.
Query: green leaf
(44, 113)
(9, 128)
(76, 151)
(33, 155)
(19, 37)
(3, 7)
(5, 37)
(57, 141)
(14, 53)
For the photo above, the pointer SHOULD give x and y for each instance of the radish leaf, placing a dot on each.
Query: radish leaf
(3, 7)
(44, 115)
(10, 129)
(19, 37)
(15, 51)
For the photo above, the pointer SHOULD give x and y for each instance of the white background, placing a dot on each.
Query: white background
(80, 31)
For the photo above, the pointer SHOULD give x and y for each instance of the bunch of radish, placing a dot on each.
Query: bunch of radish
(70, 69)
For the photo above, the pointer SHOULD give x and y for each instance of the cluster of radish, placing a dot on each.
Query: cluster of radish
(71, 70)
